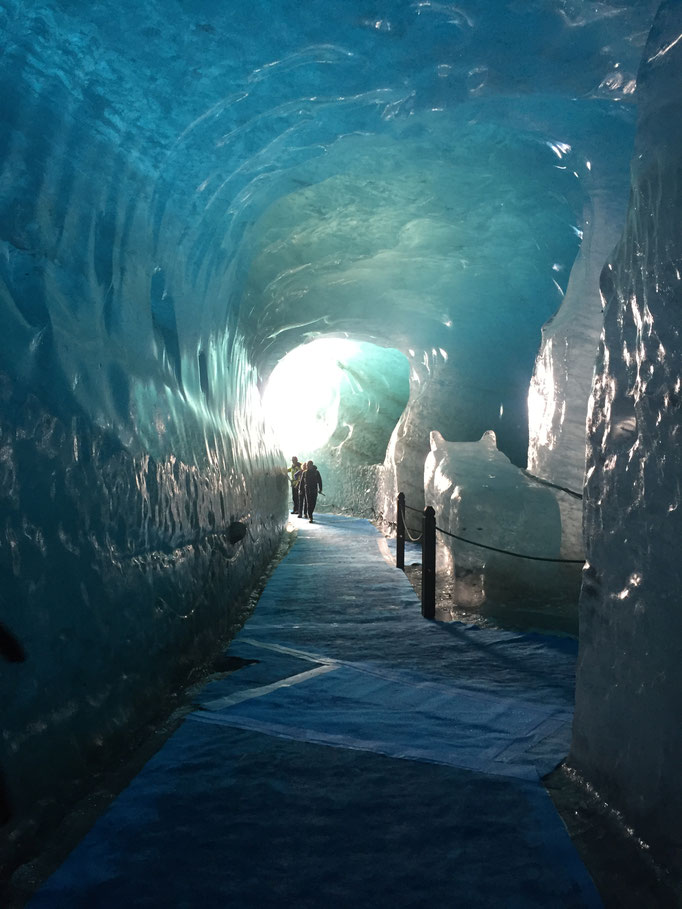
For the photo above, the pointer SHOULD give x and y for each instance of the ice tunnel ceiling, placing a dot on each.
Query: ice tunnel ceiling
(191, 186)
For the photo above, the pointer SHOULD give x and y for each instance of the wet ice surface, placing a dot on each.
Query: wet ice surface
(479, 495)
(247, 801)
(550, 614)
(547, 616)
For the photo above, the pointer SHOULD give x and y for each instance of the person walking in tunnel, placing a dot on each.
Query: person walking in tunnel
(295, 480)
(313, 484)
(302, 499)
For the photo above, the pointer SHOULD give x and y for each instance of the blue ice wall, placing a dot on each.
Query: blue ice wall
(627, 736)
(186, 193)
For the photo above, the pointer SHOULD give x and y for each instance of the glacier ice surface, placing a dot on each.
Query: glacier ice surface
(478, 494)
(627, 735)
(188, 193)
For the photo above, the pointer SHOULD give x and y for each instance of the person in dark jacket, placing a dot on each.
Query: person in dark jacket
(302, 501)
(313, 485)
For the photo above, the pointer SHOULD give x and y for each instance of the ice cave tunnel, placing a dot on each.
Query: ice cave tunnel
(480, 200)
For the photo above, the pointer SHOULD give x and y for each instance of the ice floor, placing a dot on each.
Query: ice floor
(367, 758)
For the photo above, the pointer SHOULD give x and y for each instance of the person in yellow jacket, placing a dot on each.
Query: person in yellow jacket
(295, 479)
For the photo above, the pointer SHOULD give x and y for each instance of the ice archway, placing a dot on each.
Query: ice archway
(301, 399)
(337, 402)
(189, 194)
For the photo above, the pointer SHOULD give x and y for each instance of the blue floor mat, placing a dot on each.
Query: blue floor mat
(226, 817)
(402, 715)
(429, 796)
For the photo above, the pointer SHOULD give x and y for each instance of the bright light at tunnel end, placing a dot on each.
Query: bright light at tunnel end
(301, 398)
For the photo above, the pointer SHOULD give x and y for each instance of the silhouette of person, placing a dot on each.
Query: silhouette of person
(294, 479)
(302, 497)
(313, 484)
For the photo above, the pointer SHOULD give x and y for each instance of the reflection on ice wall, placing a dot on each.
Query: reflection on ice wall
(559, 391)
(191, 191)
(627, 732)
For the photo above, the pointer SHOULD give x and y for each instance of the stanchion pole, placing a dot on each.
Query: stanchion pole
(400, 533)
(429, 564)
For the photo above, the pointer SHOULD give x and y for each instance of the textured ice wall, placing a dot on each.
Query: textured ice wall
(562, 379)
(627, 732)
(131, 442)
(120, 572)
(479, 379)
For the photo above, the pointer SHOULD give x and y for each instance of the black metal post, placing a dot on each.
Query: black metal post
(429, 564)
(400, 533)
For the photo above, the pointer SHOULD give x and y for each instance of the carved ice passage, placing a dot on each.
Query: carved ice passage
(190, 192)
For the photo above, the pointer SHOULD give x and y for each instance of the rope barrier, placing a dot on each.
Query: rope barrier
(428, 537)
(407, 532)
(508, 552)
(516, 555)
(411, 538)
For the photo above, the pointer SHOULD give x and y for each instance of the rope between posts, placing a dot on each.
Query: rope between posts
(516, 555)
(407, 532)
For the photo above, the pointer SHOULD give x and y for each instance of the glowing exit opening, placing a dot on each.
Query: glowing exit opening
(301, 398)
